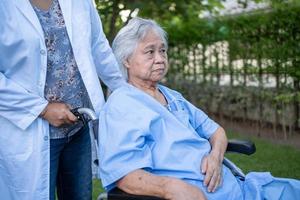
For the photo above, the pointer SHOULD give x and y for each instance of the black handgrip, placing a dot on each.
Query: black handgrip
(79, 116)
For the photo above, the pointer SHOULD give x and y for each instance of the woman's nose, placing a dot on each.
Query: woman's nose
(159, 57)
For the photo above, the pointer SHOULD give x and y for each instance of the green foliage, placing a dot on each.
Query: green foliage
(176, 13)
(269, 36)
(271, 33)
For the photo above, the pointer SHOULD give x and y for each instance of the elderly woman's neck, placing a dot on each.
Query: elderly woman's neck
(148, 87)
(151, 89)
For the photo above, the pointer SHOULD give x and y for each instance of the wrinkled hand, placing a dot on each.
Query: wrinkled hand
(178, 190)
(212, 168)
(58, 114)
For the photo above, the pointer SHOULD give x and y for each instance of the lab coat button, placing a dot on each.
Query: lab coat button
(45, 138)
(42, 51)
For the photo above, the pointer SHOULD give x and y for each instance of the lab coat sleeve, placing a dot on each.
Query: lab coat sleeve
(104, 59)
(123, 146)
(19, 106)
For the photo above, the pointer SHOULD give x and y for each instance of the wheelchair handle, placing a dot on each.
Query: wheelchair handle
(80, 111)
(92, 120)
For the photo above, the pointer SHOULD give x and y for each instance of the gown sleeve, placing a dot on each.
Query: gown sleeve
(200, 121)
(124, 144)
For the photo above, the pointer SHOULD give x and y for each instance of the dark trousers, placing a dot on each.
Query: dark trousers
(70, 167)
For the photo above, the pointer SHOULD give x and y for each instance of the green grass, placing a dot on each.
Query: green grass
(97, 188)
(280, 160)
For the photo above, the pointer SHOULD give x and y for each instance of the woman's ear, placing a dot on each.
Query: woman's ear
(126, 63)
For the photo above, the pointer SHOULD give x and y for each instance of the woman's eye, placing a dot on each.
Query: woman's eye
(150, 52)
(163, 52)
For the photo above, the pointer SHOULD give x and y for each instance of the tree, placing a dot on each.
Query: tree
(166, 12)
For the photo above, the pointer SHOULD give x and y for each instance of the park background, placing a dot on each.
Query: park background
(239, 61)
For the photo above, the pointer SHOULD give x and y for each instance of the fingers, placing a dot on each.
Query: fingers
(208, 176)
(219, 183)
(204, 165)
(212, 170)
(214, 181)
(59, 114)
(68, 116)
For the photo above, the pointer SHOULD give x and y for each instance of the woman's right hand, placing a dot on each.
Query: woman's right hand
(178, 189)
(58, 114)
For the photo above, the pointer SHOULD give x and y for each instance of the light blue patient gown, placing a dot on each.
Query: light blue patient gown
(137, 132)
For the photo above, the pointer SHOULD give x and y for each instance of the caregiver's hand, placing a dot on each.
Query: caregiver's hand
(58, 114)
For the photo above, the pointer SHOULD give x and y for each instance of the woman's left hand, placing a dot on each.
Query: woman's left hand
(211, 167)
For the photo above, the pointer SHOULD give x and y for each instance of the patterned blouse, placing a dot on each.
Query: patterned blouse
(63, 81)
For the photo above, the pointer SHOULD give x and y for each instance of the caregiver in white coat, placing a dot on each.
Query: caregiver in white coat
(24, 134)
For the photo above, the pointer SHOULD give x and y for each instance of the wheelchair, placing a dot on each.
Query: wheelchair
(88, 116)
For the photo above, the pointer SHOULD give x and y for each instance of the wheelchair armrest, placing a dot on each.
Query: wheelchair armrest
(241, 146)
(117, 194)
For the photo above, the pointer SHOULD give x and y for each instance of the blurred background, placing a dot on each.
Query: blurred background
(238, 60)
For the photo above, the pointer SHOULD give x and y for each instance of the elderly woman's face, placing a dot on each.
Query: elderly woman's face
(148, 62)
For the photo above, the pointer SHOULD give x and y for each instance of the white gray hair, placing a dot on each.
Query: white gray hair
(130, 35)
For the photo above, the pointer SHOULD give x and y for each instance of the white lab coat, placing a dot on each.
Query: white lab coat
(24, 137)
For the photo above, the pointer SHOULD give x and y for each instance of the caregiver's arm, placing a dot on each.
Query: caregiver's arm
(212, 164)
(104, 59)
(140, 182)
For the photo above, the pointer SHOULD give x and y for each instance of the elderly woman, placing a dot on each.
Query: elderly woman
(154, 142)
